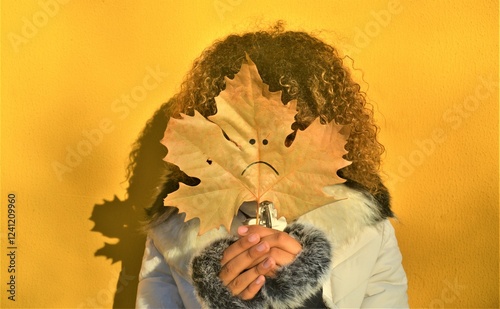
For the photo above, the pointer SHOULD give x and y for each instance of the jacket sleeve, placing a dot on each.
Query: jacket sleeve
(157, 287)
(387, 287)
(292, 286)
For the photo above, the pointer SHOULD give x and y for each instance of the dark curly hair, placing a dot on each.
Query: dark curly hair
(304, 68)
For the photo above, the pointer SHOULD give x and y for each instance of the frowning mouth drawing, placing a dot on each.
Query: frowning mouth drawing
(257, 162)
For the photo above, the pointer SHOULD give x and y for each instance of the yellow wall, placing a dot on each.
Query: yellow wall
(68, 67)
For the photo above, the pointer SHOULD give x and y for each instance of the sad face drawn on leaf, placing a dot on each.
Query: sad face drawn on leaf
(257, 122)
(264, 142)
(252, 144)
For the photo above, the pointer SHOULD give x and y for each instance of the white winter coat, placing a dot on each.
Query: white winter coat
(366, 270)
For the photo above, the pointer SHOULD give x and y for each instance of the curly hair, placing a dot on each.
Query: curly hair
(304, 68)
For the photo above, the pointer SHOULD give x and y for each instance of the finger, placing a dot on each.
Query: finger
(269, 266)
(283, 241)
(245, 284)
(283, 248)
(255, 229)
(239, 247)
(281, 257)
(275, 238)
(234, 267)
(253, 288)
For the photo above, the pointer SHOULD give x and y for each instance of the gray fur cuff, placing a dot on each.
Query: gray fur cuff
(290, 288)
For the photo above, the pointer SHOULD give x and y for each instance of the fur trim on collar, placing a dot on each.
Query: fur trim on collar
(341, 221)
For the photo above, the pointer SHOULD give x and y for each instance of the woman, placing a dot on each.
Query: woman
(341, 255)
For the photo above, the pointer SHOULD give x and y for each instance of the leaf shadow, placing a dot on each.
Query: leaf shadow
(122, 220)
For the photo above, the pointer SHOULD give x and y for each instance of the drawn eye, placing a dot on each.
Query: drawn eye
(265, 141)
(252, 141)
(209, 162)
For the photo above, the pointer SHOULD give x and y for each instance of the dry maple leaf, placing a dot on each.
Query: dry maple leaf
(239, 155)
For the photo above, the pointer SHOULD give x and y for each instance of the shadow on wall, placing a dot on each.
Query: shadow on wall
(123, 219)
